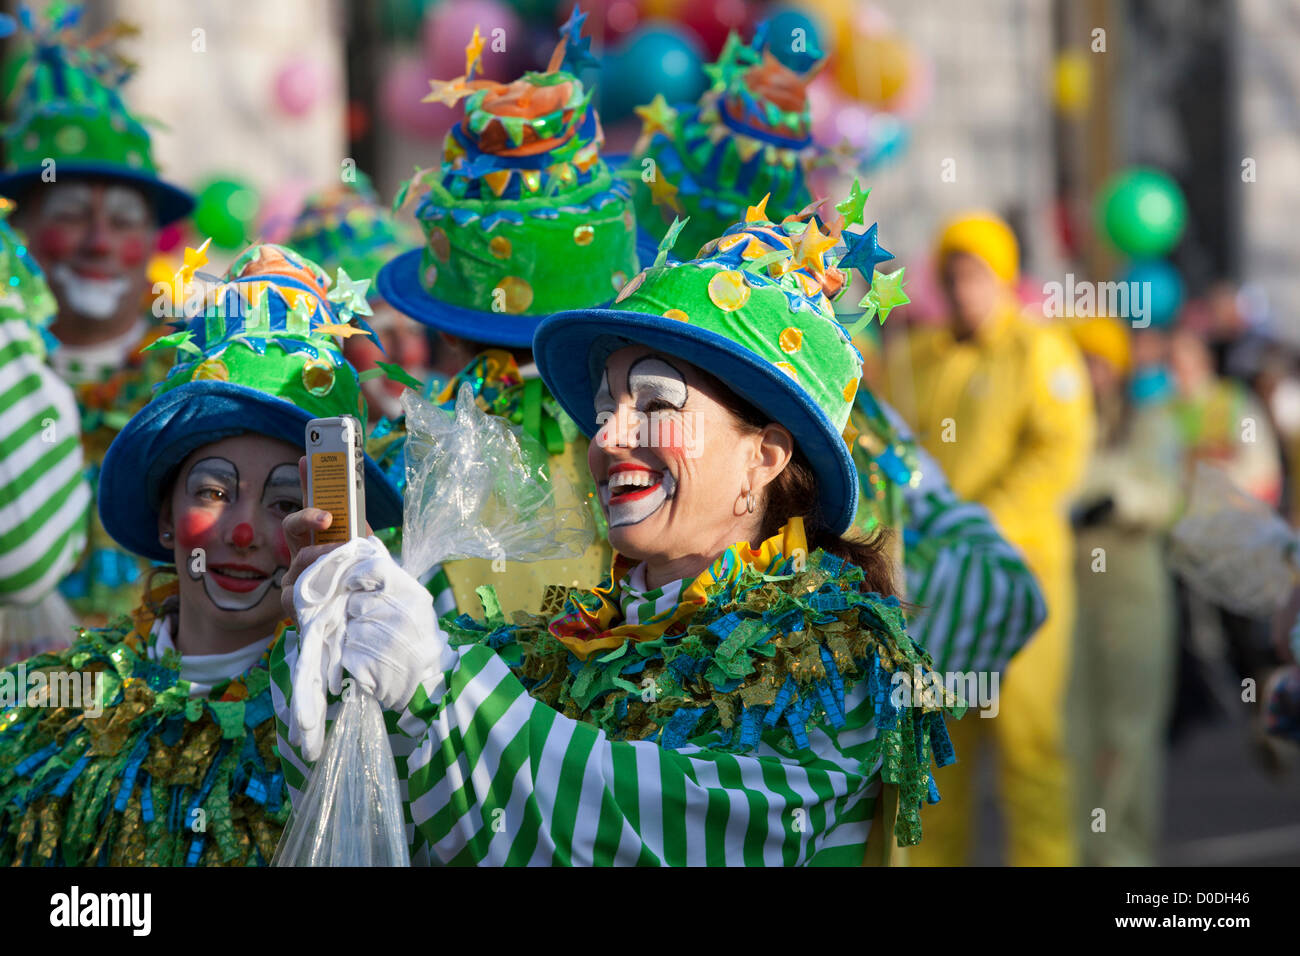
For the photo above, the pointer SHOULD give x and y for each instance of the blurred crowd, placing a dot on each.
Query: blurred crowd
(1104, 420)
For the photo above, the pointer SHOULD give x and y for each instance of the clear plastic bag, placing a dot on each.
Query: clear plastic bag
(476, 487)
(479, 487)
(351, 814)
(1233, 549)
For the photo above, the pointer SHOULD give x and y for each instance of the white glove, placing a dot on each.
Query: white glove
(358, 611)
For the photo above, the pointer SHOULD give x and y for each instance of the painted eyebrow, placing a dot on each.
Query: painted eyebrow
(218, 468)
(282, 476)
(659, 377)
(118, 199)
(72, 194)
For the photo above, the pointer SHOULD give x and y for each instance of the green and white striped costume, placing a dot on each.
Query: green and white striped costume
(44, 495)
(493, 774)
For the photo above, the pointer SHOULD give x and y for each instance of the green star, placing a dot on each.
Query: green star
(350, 294)
(886, 293)
(670, 239)
(851, 209)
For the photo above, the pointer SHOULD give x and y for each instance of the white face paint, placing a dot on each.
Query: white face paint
(96, 299)
(632, 491)
(240, 586)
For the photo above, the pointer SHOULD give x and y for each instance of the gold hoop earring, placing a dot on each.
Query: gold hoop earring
(749, 502)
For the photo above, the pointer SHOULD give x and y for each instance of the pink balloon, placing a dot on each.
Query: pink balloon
(298, 86)
(280, 207)
(836, 117)
(403, 86)
(169, 237)
(449, 26)
(824, 101)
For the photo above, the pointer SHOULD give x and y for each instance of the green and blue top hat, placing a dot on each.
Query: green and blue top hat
(345, 226)
(523, 218)
(66, 108)
(261, 354)
(749, 135)
(754, 309)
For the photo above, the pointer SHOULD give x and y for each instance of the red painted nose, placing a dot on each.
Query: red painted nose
(242, 536)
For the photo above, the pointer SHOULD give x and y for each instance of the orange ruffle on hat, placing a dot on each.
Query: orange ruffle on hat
(984, 235)
(1106, 339)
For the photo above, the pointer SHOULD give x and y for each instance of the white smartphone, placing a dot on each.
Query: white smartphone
(336, 477)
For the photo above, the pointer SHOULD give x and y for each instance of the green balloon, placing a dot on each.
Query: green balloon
(1142, 212)
(225, 212)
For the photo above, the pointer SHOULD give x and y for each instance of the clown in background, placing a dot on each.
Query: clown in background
(89, 199)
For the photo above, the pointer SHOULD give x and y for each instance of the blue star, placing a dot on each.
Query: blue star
(864, 253)
(577, 50)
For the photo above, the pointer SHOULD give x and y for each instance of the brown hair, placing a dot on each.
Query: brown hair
(793, 493)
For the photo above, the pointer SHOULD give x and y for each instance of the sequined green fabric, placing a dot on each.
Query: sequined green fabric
(137, 773)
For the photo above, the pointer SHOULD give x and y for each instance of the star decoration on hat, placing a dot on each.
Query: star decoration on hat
(664, 193)
(340, 329)
(670, 239)
(577, 48)
(813, 243)
(350, 294)
(473, 53)
(733, 57)
(886, 293)
(852, 207)
(657, 117)
(758, 213)
(864, 253)
(194, 259)
(447, 92)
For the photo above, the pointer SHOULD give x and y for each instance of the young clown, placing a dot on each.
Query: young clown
(738, 691)
(151, 741)
(78, 164)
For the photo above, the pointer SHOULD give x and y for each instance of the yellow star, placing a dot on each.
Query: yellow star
(812, 244)
(473, 52)
(447, 92)
(341, 330)
(662, 192)
(658, 117)
(758, 213)
(194, 259)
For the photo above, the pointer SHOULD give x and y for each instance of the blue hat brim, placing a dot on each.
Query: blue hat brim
(562, 349)
(398, 283)
(170, 202)
(165, 431)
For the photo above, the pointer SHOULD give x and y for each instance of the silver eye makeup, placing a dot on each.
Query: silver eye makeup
(654, 385)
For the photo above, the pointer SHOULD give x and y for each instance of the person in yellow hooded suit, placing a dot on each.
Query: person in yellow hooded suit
(1002, 403)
